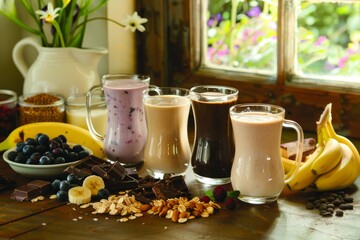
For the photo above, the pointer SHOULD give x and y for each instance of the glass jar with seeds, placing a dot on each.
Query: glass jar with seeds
(41, 107)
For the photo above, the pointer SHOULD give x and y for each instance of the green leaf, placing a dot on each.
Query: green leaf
(233, 194)
(210, 194)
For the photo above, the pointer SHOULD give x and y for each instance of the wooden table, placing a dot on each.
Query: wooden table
(285, 219)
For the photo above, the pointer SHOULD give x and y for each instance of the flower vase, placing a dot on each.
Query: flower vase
(64, 71)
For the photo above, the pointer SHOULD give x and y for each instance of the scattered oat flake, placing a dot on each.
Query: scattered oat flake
(44, 224)
(80, 217)
(85, 205)
(74, 219)
(95, 219)
(53, 196)
(124, 219)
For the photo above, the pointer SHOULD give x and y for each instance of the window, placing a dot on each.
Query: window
(287, 52)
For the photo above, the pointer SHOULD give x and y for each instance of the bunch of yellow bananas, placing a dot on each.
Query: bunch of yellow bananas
(335, 163)
(74, 134)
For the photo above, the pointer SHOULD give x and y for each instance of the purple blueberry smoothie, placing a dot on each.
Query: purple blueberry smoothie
(126, 126)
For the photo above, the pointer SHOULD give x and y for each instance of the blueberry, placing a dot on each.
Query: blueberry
(78, 148)
(83, 154)
(32, 161)
(63, 138)
(58, 152)
(36, 156)
(62, 196)
(12, 155)
(44, 160)
(40, 148)
(72, 179)
(43, 139)
(56, 185)
(28, 150)
(19, 146)
(64, 185)
(59, 160)
(20, 158)
(66, 147)
(30, 141)
(72, 156)
(53, 145)
(103, 193)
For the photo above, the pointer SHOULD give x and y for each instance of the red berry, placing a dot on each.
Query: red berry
(220, 193)
(205, 199)
(230, 203)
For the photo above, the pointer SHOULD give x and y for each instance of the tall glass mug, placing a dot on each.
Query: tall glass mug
(257, 170)
(213, 149)
(126, 130)
(167, 149)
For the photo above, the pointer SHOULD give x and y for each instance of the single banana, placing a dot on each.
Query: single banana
(79, 195)
(74, 134)
(326, 130)
(342, 175)
(304, 177)
(328, 159)
(288, 164)
(94, 183)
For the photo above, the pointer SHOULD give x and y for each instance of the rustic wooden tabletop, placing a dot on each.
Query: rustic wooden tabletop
(287, 218)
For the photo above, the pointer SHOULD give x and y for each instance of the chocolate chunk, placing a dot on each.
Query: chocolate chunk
(140, 197)
(44, 186)
(84, 167)
(25, 193)
(171, 188)
(127, 183)
(112, 171)
(132, 171)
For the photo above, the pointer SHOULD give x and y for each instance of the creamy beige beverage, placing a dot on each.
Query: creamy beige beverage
(167, 150)
(257, 170)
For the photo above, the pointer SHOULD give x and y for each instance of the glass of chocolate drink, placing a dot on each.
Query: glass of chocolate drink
(213, 149)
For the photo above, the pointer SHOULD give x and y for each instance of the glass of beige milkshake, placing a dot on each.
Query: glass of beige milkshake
(167, 149)
(257, 170)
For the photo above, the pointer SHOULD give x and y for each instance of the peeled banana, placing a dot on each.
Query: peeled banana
(94, 183)
(74, 134)
(79, 195)
(343, 175)
(328, 159)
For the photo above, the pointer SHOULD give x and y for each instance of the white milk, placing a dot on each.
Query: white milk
(78, 117)
(257, 170)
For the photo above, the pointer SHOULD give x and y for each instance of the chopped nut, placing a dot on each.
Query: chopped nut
(182, 220)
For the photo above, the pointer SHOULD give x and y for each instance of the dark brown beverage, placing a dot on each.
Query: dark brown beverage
(213, 149)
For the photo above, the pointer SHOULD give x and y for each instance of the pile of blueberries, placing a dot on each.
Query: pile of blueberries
(44, 151)
(62, 186)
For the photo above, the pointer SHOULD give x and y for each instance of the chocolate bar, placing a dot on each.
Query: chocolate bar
(127, 183)
(85, 166)
(31, 190)
(170, 188)
(113, 172)
(43, 186)
(288, 150)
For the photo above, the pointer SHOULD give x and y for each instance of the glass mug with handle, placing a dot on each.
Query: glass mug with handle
(126, 130)
(257, 170)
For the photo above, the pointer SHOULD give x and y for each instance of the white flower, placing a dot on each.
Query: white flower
(7, 7)
(50, 14)
(134, 22)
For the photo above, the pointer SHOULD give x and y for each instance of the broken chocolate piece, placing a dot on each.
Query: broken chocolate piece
(139, 197)
(170, 188)
(84, 167)
(44, 186)
(288, 150)
(112, 171)
(127, 183)
(132, 171)
(25, 193)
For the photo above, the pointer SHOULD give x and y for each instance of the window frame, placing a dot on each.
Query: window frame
(178, 40)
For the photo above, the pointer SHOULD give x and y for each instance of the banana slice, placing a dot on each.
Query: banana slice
(79, 195)
(94, 184)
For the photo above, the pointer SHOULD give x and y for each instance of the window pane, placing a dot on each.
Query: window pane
(241, 35)
(329, 39)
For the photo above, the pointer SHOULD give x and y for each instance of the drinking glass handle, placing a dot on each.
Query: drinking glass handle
(93, 132)
(299, 151)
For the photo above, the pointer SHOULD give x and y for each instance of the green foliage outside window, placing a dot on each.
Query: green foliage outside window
(243, 34)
